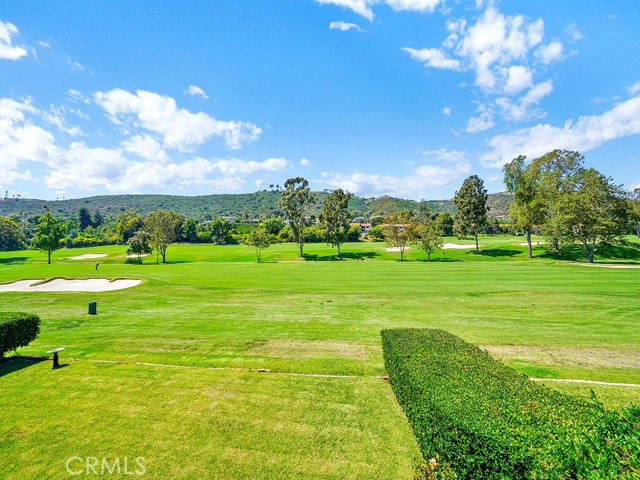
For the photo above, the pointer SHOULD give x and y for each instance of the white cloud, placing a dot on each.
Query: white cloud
(482, 122)
(433, 57)
(413, 5)
(344, 26)
(179, 128)
(446, 111)
(145, 147)
(445, 155)
(138, 163)
(9, 51)
(574, 33)
(585, 134)
(521, 109)
(551, 52)
(77, 66)
(196, 91)
(415, 185)
(361, 7)
(304, 162)
(635, 88)
(44, 44)
(518, 78)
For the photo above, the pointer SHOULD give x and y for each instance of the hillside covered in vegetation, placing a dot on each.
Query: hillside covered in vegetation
(245, 206)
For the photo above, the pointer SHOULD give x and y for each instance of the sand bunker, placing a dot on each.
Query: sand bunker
(395, 249)
(86, 256)
(606, 265)
(524, 244)
(64, 285)
(135, 255)
(460, 246)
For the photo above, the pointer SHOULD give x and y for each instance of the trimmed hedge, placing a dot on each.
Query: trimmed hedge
(17, 329)
(486, 421)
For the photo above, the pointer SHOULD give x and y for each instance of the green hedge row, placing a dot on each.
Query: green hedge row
(486, 421)
(17, 329)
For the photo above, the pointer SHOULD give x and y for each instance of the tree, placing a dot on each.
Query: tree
(397, 231)
(446, 222)
(49, 233)
(258, 239)
(527, 208)
(426, 234)
(296, 201)
(11, 235)
(595, 212)
(161, 227)
(98, 219)
(189, 231)
(139, 244)
(471, 201)
(273, 225)
(634, 210)
(557, 172)
(84, 218)
(128, 223)
(335, 216)
(220, 229)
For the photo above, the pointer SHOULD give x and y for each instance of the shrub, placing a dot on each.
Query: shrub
(489, 422)
(17, 330)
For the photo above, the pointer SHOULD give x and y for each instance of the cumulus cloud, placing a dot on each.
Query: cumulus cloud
(433, 57)
(635, 88)
(482, 122)
(585, 134)
(523, 108)
(304, 162)
(361, 7)
(180, 129)
(446, 111)
(504, 53)
(9, 51)
(196, 91)
(574, 33)
(138, 163)
(344, 26)
(551, 52)
(414, 185)
(413, 5)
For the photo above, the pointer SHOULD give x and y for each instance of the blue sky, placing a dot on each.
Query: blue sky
(398, 97)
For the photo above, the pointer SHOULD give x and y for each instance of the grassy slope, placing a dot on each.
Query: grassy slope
(214, 307)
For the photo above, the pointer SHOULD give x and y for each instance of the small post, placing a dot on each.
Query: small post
(93, 308)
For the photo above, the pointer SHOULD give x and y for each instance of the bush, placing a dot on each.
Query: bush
(17, 330)
(488, 422)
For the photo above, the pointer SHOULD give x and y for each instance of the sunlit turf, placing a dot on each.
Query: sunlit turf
(213, 306)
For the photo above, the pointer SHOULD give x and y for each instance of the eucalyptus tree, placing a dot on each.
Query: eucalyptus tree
(426, 234)
(296, 201)
(557, 172)
(335, 216)
(527, 208)
(471, 201)
(594, 213)
(634, 210)
(397, 231)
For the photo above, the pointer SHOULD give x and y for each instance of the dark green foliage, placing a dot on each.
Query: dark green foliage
(11, 235)
(471, 201)
(489, 422)
(17, 330)
(296, 202)
(49, 233)
(84, 218)
(335, 217)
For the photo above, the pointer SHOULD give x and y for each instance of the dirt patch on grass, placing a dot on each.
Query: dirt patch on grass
(308, 349)
(588, 357)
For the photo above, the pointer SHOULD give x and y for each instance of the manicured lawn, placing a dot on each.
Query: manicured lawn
(215, 307)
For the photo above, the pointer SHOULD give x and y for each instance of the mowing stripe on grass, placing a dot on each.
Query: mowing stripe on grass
(593, 382)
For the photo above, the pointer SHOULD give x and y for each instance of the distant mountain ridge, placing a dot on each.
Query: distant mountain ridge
(241, 205)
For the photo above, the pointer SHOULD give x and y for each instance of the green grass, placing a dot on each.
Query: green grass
(213, 306)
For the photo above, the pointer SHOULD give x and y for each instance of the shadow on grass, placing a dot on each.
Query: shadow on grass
(497, 252)
(11, 364)
(13, 260)
(345, 256)
(575, 253)
(435, 260)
